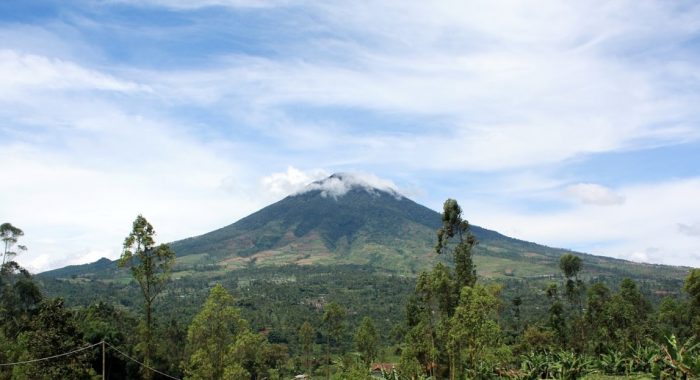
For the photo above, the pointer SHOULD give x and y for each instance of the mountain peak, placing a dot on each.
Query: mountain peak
(338, 184)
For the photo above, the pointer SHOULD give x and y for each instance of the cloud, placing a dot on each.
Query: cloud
(591, 193)
(196, 4)
(642, 221)
(689, 230)
(29, 71)
(460, 94)
(513, 92)
(281, 184)
(339, 184)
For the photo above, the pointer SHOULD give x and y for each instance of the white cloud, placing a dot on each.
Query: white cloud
(591, 193)
(689, 229)
(509, 87)
(488, 86)
(644, 220)
(20, 71)
(339, 184)
(291, 181)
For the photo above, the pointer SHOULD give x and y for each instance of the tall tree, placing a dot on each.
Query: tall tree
(306, 338)
(150, 266)
(574, 288)
(9, 235)
(333, 321)
(367, 340)
(453, 226)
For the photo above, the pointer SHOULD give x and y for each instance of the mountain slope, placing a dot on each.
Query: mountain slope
(343, 220)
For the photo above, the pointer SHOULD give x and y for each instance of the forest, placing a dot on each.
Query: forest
(342, 322)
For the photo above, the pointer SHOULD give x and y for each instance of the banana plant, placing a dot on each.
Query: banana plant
(676, 360)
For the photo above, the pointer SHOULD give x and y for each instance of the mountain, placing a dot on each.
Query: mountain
(344, 219)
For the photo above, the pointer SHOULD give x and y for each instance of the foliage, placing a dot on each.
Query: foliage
(333, 322)
(150, 266)
(367, 341)
(9, 235)
(306, 338)
(211, 336)
(52, 332)
(677, 360)
(474, 333)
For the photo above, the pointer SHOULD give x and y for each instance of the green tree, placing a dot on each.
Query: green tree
(150, 266)
(570, 266)
(574, 288)
(367, 340)
(103, 321)
(333, 321)
(474, 333)
(692, 287)
(674, 318)
(250, 351)
(9, 235)
(52, 332)
(211, 335)
(306, 338)
(19, 299)
(454, 226)
(628, 319)
(596, 318)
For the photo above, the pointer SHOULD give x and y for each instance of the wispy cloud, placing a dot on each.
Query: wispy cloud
(689, 230)
(20, 71)
(488, 100)
(592, 193)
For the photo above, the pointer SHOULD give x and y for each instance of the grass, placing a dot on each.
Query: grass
(609, 377)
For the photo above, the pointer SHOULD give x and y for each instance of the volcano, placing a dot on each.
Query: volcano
(345, 219)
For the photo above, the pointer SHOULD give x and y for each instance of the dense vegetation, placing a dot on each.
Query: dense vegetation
(344, 321)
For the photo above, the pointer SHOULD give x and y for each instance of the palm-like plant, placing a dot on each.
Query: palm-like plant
(676, 360)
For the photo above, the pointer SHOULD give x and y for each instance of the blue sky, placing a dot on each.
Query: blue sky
(574, 125)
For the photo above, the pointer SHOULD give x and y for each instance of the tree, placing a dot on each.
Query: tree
(333, 318)
(367, 340)
(250, 351)
(9, 235)
(474, 332)
(211, 335)
(150, 266)
(628, 313)
(306, 338)
(53, 331)
(596, 317)
(692, 287)
(19, 299)
(571, 265)
(454, 226)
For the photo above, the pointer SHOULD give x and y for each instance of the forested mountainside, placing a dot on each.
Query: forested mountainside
(350, 286)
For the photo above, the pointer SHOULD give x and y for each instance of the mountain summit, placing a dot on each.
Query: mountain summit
(339, 184)
(343, 218)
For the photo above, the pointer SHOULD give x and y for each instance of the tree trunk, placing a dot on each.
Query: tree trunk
(328, 357)
(147, 374)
